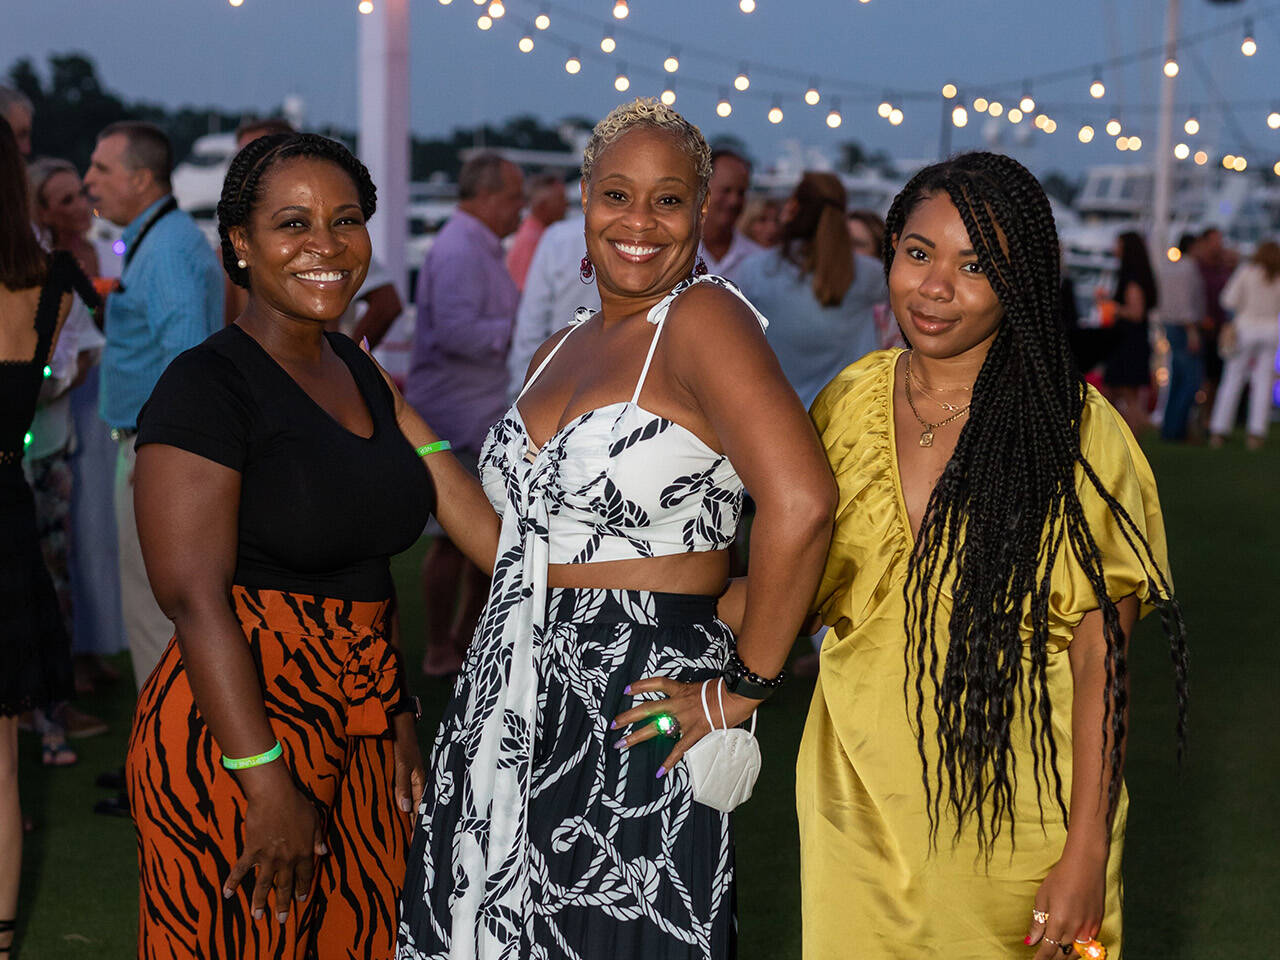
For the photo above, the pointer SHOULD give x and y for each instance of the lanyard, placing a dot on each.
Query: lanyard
(167, 207)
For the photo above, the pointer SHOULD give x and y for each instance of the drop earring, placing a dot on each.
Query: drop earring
(700, 268)
(585, 269)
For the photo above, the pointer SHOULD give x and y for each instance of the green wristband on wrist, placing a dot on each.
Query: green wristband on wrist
(243, 763)
(429, 448)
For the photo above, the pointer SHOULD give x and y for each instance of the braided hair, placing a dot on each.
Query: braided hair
(241, 189)
(1001, 511)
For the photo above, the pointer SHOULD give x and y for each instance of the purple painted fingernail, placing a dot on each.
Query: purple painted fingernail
(627, 689)
(364, 342)
(614, 725)
(282, 916)
(227, 893)
(662, 772)
(621, 744)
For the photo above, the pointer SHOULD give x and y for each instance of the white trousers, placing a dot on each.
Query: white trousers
(146, 629)
(1254, 361)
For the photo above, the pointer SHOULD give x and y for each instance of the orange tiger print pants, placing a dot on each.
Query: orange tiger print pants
(328, 676)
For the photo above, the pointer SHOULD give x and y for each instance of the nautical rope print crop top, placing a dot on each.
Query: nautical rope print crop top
(618, 482)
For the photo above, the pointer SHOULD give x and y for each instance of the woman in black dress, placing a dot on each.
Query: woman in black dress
(1127, 374)
(35, 651)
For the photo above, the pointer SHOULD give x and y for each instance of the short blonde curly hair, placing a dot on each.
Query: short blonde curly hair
(650, 112)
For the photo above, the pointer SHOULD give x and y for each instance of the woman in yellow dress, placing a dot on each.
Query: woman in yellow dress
(998, 533)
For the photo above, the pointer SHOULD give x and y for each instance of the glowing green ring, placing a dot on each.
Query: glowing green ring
(667, 725)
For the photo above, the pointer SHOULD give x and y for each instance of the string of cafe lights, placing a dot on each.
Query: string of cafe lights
(1009, 101)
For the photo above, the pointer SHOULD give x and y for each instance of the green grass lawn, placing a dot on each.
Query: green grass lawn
(1200, 867)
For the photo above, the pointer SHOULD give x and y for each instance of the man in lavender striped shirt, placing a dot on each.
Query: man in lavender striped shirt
(458, 375)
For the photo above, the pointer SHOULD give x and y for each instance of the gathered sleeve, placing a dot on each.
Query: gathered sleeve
(201, 404)
(1128, 568)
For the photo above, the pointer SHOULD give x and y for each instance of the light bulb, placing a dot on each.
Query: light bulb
(620, 10)
(1027, 103)
(741, 81)
(621, 83)
(542, 21)
(1171, 67)
(1015, 115)
(497, 10)
(1174, 254)
(981, 104)
(668, 97)
(1113, 128)
(445, 3)
(525, 44)
(484, 22)
(949, 90)
(1122, 143)
(1248, 46)
(1201, 158)
(959, 115)
(724, 108)
(1228, 161)
(235, 3)
(812, 96)
(996, 108)
(895, 116)
(1135, 143)
(1050, 125)
(747, 6)
(671, 64)
(1086, 134)
(1240, 164)
(572, 65)
(1192, 126)
(608, 44)
(1097, 89)
(884, 109)
(1276, 169)
(775, 114)
(1273, 120)
(1181, 151)
(834, 119)
(365, 6)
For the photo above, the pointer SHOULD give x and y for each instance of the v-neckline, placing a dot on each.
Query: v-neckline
(895, 467)
(364, 397)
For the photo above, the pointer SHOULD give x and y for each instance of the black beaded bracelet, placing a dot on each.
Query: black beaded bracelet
(740, 680)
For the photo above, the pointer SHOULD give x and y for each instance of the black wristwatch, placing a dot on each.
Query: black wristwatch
(408, 704)
(740, 680)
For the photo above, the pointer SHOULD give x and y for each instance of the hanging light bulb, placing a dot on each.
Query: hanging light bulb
(525, 44)
(996, 108)
(896, 116)
(981, 104)
(1181, 151)
(1015, 115)
(235, 3)
(741, 82)
(1135, 143)
(445, 3)
(1276, 169)
(1050, 125)
(1027, 103)
(608, 44)
(811, 96)
(1192, 126)
(949, 90)
(747, 6)
(1228, 161)
(622, 82)
(1248, 46)
(497, 10)
(484, 21)
(1171, 68)
(834, 119)
(669, 95)
(1122, 143)
(959, 115)
(1273, 120)
(1201, 158)
(724, 107)
(672, 63)
(1174, 254)
(573, 65)
(1113, 127)
(884, 109)
(365, 6)
(1240, 165)
(542, 21)
(775, 113)
(1085, 135)
(1097, 89)
(621, 10)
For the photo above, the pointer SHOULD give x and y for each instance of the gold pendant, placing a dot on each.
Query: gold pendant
(926, 439)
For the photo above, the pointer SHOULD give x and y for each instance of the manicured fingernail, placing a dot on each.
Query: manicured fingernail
(627, 689)
(614, 725)
(301, 897)
(323, 849)
(662, 772)
(405, 805)
(621, 744)
(282, 916)
(1027, 940)
(227, 893)
(257, 913)
(364, 342)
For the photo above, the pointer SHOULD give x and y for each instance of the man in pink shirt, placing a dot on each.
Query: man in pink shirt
(547, 204)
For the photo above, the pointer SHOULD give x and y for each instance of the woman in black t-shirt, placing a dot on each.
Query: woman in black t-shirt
(274, 743)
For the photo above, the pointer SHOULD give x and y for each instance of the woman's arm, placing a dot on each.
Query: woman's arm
(187, 509)
(1074, 892)
(1134, 305)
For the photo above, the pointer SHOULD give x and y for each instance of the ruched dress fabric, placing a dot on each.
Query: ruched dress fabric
(871, 887)
(535, 840)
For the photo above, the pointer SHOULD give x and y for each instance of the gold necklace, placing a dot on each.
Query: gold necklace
(944, 404)
(926, 435)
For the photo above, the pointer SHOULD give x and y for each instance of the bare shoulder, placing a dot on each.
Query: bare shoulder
(709, 316)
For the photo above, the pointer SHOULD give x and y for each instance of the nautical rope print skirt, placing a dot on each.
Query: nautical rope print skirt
(328, 674)
(620, 865)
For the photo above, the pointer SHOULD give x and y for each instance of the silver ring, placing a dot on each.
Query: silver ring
(1039, 916)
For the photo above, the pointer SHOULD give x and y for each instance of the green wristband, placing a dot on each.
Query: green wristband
(429, 448)
(259, 760)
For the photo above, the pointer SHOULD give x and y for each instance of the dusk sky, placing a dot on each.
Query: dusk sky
(206, 52)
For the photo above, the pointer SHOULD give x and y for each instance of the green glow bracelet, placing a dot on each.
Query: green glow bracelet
(257, 761)
(430, 448)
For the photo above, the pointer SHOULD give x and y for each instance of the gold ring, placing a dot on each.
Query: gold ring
(1053, 941)
(1039, 916)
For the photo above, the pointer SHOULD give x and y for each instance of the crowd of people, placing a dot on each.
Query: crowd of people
(201, 460)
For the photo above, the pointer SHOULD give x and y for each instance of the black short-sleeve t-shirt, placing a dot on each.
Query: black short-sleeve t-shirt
(321, 509)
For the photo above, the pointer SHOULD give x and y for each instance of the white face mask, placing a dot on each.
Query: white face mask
(725, 763)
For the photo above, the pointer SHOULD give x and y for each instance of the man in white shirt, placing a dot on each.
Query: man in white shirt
(553, 290)
(723, 247)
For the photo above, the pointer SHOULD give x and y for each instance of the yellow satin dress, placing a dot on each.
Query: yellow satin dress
(871, 886)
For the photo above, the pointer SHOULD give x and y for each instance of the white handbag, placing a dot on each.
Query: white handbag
(724, 764)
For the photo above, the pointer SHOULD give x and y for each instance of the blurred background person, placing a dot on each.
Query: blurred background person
(761, 222)
(16, 109)
(458, 376)
(866, 230)
(553, 293)
(547, 205)
(1182, 314)
(1127, 374)
(1216, 263)
(723, 247)
(1249, 344)
(817, 292)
